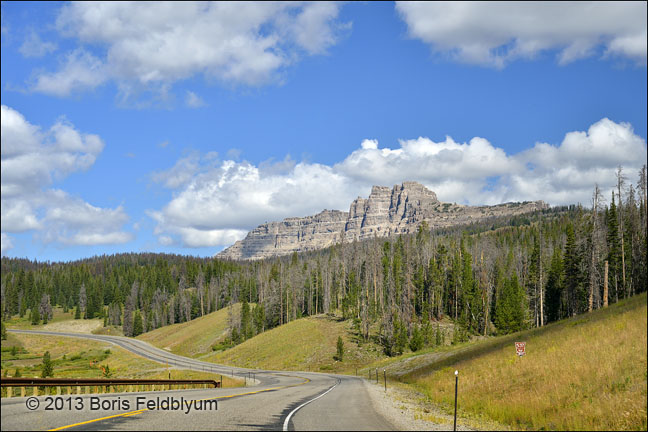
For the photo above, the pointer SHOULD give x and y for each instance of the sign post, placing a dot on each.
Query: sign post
(520, 348)
(454, 428)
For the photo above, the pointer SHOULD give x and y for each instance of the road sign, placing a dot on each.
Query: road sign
(520, 348)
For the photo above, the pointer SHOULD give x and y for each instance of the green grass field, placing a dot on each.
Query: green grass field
(193, 338)
(303, 344)
(80, 358)
(61, 321)
(584, 373)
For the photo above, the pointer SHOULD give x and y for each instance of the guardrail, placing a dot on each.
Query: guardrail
(106, 384)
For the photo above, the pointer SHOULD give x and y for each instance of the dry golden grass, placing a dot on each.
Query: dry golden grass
(585, 373)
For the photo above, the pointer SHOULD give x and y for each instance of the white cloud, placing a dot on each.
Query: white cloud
(5, 243)
(34, 46)
(32, 160)
(217, 202)
(165, 240)
(79, 71)
(151, 45)
(496, 33)
(181, 173)
(192, 100)
(565, 174)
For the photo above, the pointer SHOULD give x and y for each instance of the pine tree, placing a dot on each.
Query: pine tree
(4, 331)
(35, 316)
(77, 313)
(573, 280)
(511, 306)
(259, 318)
(554, 287)
(235, 336)
(614, 249)
(416, 342)
(340, 349)
(138, 326)
(48, 367)
(246, 321)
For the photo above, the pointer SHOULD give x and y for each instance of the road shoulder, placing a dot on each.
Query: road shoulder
(407, 409)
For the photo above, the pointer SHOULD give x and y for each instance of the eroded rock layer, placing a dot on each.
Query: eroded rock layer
(399, 210)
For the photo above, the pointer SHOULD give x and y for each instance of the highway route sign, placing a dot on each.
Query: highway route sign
(520, 348)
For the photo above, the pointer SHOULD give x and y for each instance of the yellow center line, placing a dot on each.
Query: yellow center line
(95, 420)
(132, 413)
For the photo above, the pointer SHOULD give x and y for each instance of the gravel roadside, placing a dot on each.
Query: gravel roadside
(399, 406)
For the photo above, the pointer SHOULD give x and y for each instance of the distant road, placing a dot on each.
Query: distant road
(276, 401)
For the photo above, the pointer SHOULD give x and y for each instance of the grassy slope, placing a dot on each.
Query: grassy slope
(304, 344)
(83, 359)
(61, 321)
(587, 372)
(192, 338)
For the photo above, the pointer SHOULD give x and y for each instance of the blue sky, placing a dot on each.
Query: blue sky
(178, 128)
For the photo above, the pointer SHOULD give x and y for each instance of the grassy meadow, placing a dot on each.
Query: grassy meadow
(584, 373)
(61, 321)
(193, 338)
(303, 344)
(80, 358)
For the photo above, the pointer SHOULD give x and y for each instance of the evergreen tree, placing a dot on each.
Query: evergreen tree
(4, 331)
(576, 295)
(77, 313)
(35, 316)
(416, 342)
(511, 307)
(614, 250)
(246, 321)
(340, 349)
(259, 318)
(48, 367)
(138, 326)
(400, 336)
(235, 336)
(554, 287)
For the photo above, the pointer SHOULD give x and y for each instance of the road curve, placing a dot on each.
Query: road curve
(276, 401)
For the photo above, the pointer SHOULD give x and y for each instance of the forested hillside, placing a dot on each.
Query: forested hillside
(500, 275)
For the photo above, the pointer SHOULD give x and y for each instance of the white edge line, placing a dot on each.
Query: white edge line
(285, 425)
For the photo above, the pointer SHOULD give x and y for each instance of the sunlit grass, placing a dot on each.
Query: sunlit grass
(303, 344)
(61, 321)
(80, 358)
(194, 337)
(588, 372)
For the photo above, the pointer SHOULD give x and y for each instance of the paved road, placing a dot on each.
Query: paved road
(274, 401)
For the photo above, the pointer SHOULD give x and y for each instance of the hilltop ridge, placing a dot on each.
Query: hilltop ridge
(399, 210)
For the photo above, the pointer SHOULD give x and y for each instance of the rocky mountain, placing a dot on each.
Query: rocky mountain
(397, 211)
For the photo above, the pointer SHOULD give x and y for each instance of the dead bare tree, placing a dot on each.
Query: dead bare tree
(621, 179)
(594, 252)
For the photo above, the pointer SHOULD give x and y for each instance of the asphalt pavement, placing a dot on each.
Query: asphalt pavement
(275, 400)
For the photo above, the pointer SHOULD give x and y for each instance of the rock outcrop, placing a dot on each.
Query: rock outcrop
(397, 211)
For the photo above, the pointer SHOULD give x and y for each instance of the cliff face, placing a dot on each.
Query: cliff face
(397, 211)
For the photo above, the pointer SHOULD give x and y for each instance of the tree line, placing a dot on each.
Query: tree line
(496, 276)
